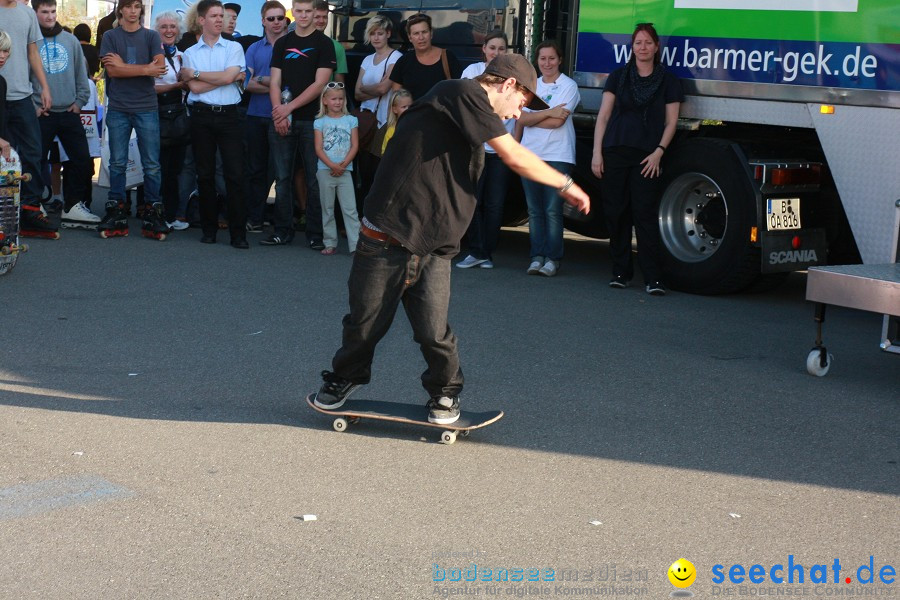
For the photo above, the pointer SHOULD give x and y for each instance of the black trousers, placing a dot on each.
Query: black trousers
(631, 200)
(222, 131)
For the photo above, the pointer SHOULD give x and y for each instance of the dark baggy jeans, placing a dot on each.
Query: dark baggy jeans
(381, 278)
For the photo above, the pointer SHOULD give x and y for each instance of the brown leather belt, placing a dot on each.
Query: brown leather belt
(379, 235)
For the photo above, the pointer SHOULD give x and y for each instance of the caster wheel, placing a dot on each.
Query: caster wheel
(340, 424)
(814, 362)
(448, 437)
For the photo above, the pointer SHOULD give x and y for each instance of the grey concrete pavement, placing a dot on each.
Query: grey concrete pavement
(155, 444)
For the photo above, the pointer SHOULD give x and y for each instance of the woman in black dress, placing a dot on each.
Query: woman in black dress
(635, 125)
(425, 65)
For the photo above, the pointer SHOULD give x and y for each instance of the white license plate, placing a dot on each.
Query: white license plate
(782, 213)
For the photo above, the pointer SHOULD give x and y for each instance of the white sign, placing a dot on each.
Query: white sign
(800, 5)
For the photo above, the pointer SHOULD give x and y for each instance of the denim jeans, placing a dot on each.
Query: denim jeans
(259, 170)
(484, 230)
(340, 188)
(25, 136)
(545, 216)
(119, 125)
(67, 126)
(381, 278)
(284, 153)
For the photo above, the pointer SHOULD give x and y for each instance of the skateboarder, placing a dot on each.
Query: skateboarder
(418, 209)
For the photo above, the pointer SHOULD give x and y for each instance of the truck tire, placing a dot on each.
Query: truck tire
(706, 210)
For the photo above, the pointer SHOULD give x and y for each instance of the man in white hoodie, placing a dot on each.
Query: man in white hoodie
(66, 74)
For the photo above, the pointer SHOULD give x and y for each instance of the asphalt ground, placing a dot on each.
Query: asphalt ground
(155, 443)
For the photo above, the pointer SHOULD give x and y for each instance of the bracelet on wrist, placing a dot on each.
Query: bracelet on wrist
(569, 183)
(661, 147)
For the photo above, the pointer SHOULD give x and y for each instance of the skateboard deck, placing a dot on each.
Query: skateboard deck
(11, 177)
(415, 414)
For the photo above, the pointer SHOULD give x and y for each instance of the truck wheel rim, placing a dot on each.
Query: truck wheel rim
(693, 217)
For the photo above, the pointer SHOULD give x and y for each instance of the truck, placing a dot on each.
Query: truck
(787, 151)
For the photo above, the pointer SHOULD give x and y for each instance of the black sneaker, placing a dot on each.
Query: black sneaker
(443, 410)
(316, 244)
(655, 288)
(334, 391)
(276, 239)
(619, 282)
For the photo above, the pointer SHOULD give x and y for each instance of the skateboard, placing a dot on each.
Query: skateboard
(10, 178)
(415, 414)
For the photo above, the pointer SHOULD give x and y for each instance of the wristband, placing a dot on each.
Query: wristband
(661, 147)
(569, 183)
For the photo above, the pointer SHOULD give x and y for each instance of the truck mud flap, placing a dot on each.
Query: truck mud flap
(793, 250)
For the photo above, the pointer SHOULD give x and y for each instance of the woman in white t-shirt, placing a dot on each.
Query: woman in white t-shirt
(373, 92)
(551, 135)
(374, 84)
(484, 231)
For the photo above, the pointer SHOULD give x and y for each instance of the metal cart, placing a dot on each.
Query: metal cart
(874, 288)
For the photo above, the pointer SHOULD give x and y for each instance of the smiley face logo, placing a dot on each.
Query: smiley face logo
(682, 573)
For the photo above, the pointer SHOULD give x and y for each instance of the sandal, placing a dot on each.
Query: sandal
(329, 251)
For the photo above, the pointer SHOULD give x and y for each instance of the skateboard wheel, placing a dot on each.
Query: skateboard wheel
(448, 437)
(4, 250)
(814, 364)
(23, 247)
(340, 424)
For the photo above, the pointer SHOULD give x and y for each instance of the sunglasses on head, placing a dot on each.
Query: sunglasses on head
(334, 85)
(275, 18)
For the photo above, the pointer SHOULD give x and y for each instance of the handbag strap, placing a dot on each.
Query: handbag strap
(445, 64)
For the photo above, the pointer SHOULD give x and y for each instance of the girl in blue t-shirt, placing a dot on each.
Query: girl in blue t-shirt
(336, 142)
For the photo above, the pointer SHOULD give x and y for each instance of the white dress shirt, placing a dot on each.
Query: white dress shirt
(218, 57)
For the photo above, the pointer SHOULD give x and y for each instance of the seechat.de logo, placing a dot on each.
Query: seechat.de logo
(795, 572)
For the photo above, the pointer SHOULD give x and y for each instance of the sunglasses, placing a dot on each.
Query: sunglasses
(334, 85)
(276, 18)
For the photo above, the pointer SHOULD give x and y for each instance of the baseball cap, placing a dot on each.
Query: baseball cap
(233, 6)
(518, 67)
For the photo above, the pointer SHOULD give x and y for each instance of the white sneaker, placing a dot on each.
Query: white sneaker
(470, 261)
(549, 269)
(535, 267)
(177, 225)
(80, 214)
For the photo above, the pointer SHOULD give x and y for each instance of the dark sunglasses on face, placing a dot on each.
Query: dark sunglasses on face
(277, 18)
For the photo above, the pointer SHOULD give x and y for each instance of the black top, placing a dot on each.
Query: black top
(104, 25)
(299, 58)
(630, 125)
(91, 58)
(424, 189)
(419, 78)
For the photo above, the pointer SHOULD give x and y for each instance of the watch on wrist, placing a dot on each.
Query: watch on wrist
(196, 74)
(259, 79)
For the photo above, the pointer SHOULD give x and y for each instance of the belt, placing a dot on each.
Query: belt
(379, 235)
(215, 108)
